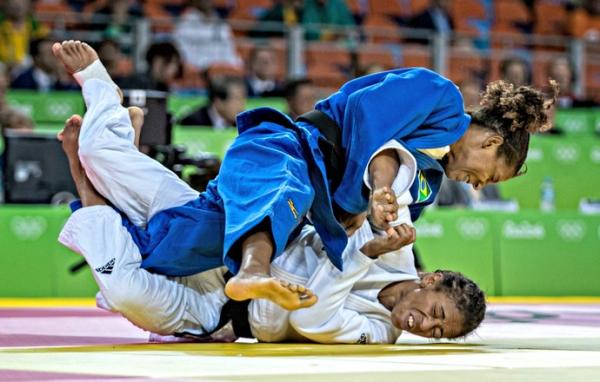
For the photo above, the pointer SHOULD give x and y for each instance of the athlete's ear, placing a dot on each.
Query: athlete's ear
(493, 140)
(429, 279)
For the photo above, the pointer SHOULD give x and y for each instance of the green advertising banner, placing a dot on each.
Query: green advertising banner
(572, 165)
(199, 140)
(520, 254)
(578, 121)
(32, 262)
(458, 240)
(557, 255)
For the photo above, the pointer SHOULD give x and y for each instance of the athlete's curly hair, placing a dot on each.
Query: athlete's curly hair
(468, 297)
(514, 113)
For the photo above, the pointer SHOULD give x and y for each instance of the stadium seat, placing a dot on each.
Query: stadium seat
(464, 66)
(416, 56)
(509, 14)
(377, 55)
(389, 8)
(551, 18)
(59, 10)
(468, 9)
(381, 29)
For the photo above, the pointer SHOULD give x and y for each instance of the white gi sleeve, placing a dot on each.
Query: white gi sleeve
(150, 301)
(406, 172)
(403, 259)
(328, 321)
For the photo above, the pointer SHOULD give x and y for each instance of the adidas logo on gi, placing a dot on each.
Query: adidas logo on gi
(107, 268)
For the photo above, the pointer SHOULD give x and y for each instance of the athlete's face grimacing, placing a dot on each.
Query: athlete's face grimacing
(474, 159)
(426, 311)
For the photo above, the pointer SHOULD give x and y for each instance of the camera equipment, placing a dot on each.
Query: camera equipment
(35, 169)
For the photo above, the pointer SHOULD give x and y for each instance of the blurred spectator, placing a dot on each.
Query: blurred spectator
(4, 81)
(300, 96)
(261, 80)
(9, 117)
(17, 29)
(43, 74)
(318, 15)
(115, 16)
(110, 54)
(313, 14)
(287, 12)
(435, 17)
(369, 69)
(459, 194)
(226, 99)
(516, 71)
(561, 70)
(471, 92)
(164, 66)
(203, 38)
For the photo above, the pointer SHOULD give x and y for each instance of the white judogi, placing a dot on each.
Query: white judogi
(136, 184)
(348, 310)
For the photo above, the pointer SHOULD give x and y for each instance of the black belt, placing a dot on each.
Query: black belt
(234, 311)
(330, 145)
(237, 313)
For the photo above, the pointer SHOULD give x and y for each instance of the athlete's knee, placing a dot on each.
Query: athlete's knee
(129, 295)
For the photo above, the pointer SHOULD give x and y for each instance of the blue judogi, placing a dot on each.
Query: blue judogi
(274, 174)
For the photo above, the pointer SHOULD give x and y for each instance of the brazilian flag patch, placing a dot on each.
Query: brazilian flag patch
(424, 188)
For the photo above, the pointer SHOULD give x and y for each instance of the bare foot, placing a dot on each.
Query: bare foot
(137, 121)
(69, 136)
(75, 55)
(289, 296)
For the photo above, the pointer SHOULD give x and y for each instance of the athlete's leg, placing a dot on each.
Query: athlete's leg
(152, 302)
(266, 190)
(136, 184)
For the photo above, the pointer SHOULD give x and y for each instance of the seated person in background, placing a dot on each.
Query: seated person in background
(9, 117)
(109, 52)
(203, 38)
(471, 90)
(226, 99)
(300, 96)
(322, 17)
(436, 18)
(18, 28)
(164, 66)
(286, 12)
(261, 80)
(516, 71)
(561, 70)
(458, 194)
(43, 74)
(371, 68)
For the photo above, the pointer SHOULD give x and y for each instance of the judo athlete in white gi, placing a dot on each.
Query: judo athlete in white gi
(365, 303)
(362, 304)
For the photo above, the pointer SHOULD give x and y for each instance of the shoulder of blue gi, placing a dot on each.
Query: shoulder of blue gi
(414, 105)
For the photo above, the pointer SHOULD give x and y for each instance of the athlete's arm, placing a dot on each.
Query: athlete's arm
(329, 321)
(383, 170)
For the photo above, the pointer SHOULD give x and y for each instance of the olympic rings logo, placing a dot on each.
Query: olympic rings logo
(28, 227)
(572, 230)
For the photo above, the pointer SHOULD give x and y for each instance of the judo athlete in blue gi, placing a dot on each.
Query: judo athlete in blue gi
(278, 173)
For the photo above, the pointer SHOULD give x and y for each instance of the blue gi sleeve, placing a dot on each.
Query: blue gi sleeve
(415, 106)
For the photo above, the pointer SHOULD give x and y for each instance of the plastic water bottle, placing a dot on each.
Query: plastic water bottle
(547, 195)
